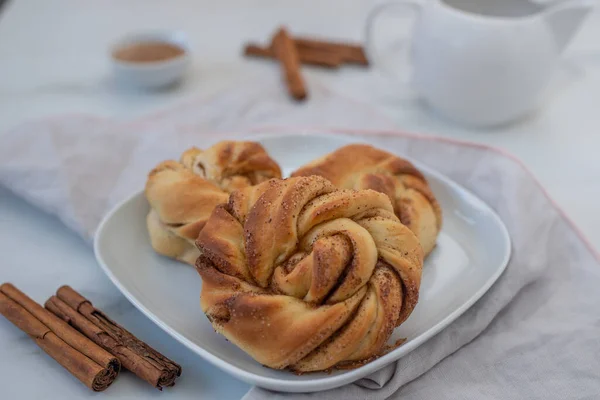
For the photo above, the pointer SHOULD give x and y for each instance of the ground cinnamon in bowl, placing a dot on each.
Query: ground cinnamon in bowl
(151, 51)
(151, 60)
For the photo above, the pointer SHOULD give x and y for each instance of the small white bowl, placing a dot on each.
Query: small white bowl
(151, 74)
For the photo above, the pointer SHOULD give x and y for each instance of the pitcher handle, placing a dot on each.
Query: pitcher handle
(372, 53)
(565, 18)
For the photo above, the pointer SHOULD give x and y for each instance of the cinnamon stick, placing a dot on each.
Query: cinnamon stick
(134, 354)
(286, 52)
(307, 56)
(350, 53)
(129, 359)
(93, 366)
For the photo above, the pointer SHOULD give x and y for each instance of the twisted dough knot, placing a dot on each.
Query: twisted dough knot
(232, 165)
(301, 275)
(182, 195)
(360, 166)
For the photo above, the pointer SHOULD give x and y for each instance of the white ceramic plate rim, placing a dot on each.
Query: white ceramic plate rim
(329, 382)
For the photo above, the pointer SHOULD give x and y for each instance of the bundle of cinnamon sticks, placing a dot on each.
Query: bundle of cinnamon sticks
(294, 51)
(84, 340)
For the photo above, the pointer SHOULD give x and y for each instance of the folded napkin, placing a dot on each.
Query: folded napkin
(534, 334)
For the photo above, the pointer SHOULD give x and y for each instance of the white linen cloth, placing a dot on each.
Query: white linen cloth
(534, 335)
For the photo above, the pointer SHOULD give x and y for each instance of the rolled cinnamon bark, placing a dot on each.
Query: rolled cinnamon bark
(286, 52)
(350, 53)
(306, 56)
(93, 366)
(134, 354)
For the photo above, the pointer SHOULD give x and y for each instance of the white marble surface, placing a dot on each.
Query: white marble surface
(54, 61)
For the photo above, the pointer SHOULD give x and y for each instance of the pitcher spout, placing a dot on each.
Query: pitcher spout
(565, 19)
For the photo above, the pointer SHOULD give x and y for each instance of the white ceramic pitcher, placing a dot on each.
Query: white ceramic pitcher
(482, 62)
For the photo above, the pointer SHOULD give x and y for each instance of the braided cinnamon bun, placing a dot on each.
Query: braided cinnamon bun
(183, 194)
(304, 276)
(360, 166)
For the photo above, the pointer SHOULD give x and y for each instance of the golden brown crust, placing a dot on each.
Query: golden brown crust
(360, 166)
(182, 195)
(304, 276)
(232, 165)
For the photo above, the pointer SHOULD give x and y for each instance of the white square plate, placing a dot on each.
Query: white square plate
(473, 250)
